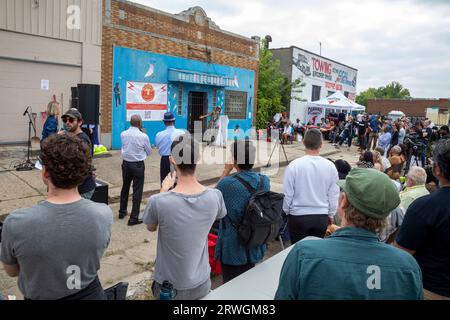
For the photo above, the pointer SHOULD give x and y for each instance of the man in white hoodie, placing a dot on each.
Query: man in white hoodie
(310, 191)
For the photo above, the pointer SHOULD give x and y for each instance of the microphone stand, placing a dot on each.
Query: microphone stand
(27, 165)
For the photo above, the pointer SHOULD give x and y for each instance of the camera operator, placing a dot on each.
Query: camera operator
(411, 145)
(423, 133)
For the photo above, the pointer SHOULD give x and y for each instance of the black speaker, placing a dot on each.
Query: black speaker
(101, 192)
(74, 100)
(89, 102)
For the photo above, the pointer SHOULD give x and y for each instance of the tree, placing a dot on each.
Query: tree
(393, 90)
(364, 96)
(275, 90)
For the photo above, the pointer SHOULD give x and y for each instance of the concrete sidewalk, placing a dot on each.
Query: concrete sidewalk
(132, 251)
(24, 189)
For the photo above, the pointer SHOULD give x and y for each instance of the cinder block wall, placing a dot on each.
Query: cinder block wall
(137, 27)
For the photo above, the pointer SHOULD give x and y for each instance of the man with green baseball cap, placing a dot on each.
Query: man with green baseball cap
(352, 263)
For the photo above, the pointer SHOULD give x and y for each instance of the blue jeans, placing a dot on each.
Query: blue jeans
(346, 135)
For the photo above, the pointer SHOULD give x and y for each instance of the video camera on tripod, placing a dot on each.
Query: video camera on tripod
(415, 147)
(412, 140)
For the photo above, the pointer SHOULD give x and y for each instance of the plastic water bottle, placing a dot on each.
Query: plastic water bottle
(166, 292)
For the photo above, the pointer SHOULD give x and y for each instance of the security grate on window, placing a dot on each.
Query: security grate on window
(180, 99)
(235, 104)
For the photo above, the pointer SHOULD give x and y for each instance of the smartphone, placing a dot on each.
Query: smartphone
(172, 170)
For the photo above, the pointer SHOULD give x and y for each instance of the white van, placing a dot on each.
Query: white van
(395, 115)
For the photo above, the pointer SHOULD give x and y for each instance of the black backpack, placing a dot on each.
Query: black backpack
(263, 219)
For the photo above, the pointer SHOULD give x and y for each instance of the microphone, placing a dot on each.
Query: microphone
(26, 110)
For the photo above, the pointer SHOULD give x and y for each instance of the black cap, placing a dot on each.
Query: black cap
(73, 113)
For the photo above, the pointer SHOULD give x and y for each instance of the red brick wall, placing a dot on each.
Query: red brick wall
(412, 108)
(179, 38)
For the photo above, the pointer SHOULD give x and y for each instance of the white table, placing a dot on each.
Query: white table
(259, 283)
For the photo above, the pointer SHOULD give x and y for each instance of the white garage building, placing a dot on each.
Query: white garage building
(44, 51)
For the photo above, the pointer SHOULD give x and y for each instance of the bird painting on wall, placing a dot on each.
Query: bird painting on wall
(151, 70)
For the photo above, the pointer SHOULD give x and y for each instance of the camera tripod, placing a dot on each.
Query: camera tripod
(277, 142)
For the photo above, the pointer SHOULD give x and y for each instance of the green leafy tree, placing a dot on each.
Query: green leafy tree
(364, 96)
(275, 90)
(393, 90)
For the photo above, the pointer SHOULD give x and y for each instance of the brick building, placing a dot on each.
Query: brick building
(416, 108)
(154, 61)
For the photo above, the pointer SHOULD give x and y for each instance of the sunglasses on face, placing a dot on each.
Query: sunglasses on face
(71, 120)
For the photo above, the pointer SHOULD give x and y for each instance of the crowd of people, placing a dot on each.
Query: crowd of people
(357, 233)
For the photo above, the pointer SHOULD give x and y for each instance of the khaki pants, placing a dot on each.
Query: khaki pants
(372, 136)
(428, 295)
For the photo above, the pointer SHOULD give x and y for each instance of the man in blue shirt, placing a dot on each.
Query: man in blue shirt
(164, 140)
(352, 264)
(374, 131)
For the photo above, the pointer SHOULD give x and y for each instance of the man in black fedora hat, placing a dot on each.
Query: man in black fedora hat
(164, 141)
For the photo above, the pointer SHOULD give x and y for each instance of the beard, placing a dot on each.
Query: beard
(73, 128)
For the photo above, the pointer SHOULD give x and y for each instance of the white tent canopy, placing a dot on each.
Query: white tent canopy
(338, 101)
(316, 110)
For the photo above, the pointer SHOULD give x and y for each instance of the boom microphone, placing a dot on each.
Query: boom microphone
(26, 110)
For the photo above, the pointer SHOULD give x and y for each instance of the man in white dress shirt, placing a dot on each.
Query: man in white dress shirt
(135, 149)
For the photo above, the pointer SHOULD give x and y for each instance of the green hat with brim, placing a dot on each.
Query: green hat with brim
(371, 192)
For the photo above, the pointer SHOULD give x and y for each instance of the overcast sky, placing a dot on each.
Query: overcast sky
(386, 40)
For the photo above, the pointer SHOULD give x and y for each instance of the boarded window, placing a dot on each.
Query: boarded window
(315, 93)
(236, 104)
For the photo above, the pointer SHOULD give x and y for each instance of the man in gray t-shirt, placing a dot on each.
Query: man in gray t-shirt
(52, 243)
(55, 247)
(184, 216)
(184, 223)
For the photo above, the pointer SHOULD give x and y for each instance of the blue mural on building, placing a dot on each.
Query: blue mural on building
(212, 80)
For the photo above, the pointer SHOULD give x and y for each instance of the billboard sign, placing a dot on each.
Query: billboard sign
(319, 68)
